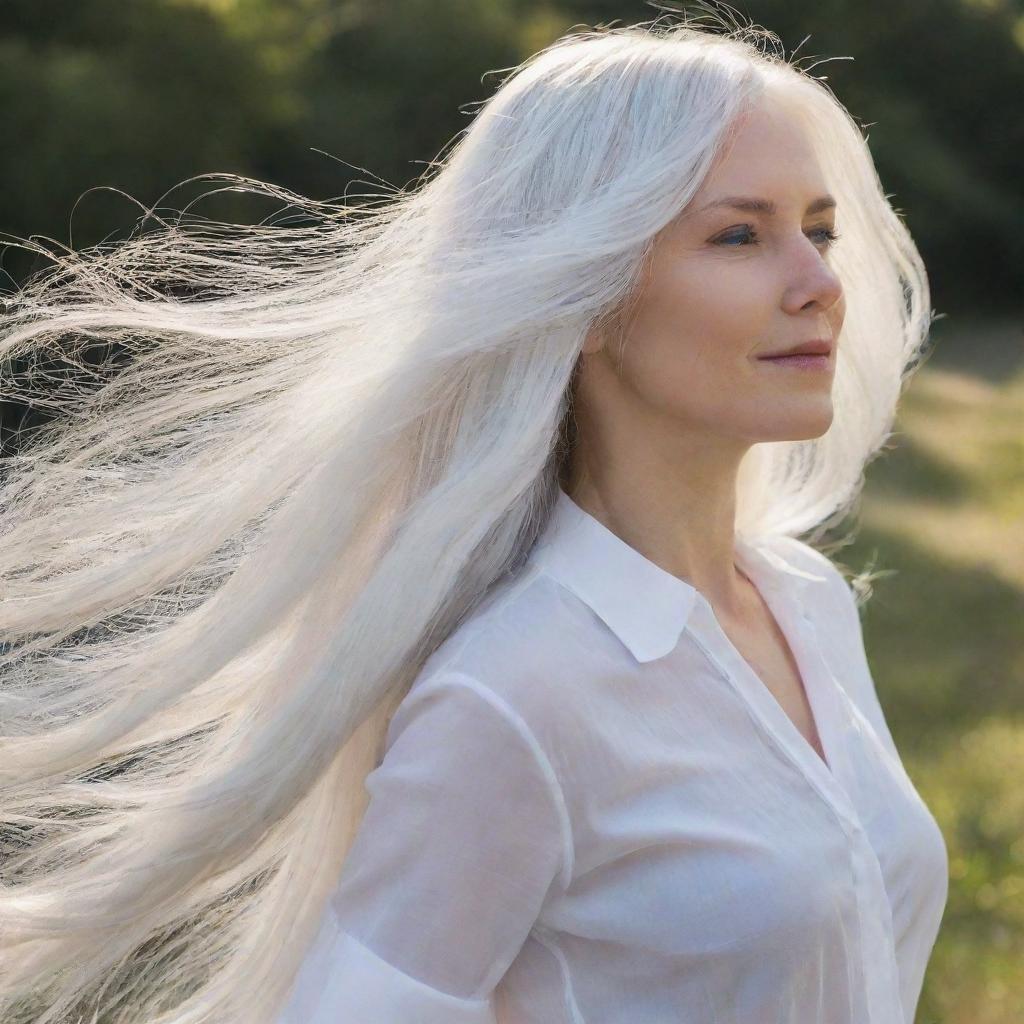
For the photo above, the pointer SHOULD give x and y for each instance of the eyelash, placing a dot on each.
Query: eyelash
(831, 236)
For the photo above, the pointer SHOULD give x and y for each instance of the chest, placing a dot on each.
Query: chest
(698, 827)
(765, 649)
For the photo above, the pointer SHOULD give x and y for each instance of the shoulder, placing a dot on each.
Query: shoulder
(826, 576)
(526, 634)
(827, 596)
(534, 654)
(801, 553)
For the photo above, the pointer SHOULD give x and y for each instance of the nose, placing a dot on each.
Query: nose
(814, 283)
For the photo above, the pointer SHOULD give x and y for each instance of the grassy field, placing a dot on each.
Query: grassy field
(944, 507)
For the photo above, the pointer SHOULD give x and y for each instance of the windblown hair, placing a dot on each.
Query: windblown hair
(224, 560)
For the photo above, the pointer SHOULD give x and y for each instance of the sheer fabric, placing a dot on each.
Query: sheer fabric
(592, 811)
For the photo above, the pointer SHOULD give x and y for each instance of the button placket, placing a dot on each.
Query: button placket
(877, 932)
(877, 941)
(773, 719)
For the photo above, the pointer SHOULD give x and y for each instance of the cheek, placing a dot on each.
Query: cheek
(695, 329)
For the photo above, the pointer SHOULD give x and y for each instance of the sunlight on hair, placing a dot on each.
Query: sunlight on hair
(225, 561)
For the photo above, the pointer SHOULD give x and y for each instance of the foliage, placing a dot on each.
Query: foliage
(138, 97)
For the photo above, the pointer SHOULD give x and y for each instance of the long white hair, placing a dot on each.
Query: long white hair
(225, 558)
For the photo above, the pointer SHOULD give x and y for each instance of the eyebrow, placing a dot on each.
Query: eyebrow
(766, 206)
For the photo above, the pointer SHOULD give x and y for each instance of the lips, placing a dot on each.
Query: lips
(817, 347)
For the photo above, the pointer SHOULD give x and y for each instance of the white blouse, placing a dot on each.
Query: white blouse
(592, 811)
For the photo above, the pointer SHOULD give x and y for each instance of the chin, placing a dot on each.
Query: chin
(798, 428)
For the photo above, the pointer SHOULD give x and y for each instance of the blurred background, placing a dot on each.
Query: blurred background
(108, 105)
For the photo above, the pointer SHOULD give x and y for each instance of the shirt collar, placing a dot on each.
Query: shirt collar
(645, 606)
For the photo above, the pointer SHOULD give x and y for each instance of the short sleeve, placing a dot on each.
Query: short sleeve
(837, 613)
(463, 837)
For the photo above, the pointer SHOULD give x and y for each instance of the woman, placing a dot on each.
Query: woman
(490, 499)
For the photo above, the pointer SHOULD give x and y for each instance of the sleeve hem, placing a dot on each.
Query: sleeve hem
(344, 980)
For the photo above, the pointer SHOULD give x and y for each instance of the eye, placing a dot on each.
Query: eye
(747, 230)
(748, 236)
(831, 237)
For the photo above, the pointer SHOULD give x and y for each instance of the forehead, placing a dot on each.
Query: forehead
(768, 154)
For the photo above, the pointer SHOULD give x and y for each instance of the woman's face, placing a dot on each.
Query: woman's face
(729, 285)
